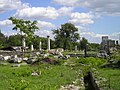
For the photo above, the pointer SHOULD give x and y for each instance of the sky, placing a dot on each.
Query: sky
(93, 18)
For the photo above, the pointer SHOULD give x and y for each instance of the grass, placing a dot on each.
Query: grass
(112, 77)
(51, 78)
(79, 52)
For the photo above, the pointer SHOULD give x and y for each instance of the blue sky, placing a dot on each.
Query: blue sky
(93, 18)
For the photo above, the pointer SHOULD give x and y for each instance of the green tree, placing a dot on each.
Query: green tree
(66, 35)
(14, 40)
(94, 46)
(26, 26)
(2, 39)
(84, 45)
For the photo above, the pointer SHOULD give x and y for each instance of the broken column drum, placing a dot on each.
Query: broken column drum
(48, 42)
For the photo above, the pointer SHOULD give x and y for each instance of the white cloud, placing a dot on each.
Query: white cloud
(97, 38)
(44, 33)
(11, 5)
(92, 37)
(43, 24)
(38, 12)
(66, 2)
(105, 7)
(65, 11)
(10, 32)
(40, 24)
(5, 23)
(44, 29)
(43, 12)
(81, 18)
(115, 36)
(81, 28)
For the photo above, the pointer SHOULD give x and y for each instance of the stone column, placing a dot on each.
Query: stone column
(32, 48)
(48, 42)
(40, 48)
(23, 44)
(75, 48)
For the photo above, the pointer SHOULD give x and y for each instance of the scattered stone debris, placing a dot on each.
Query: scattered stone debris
(70, 87)
(46, 55)
(15, 59)
(16, 65)
(4, 58)
(61, 56)
(112, 61)
(67, 56)
(25, 59)
(56, 51)
(46, 60)
(102, 54)
(38, 53)
(50, 61)
(31, 60)
(35, 74)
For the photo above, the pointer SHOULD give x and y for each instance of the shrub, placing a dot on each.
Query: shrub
(116, 56)
(91, 61)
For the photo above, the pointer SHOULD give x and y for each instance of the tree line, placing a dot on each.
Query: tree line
(66, 37)
(16, 40)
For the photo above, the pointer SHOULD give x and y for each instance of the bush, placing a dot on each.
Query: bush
(91, 61)
(116, 56)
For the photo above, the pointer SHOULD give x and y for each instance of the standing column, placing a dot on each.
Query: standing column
(76, 48)
(32, 48)
(23, 44)
(40, 48)
(48, 42)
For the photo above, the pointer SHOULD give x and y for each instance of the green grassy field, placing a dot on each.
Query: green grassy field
(52, 77)
(79, 52)
(112, 78)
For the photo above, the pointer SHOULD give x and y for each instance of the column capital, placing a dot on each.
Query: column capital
(48, 36)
